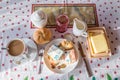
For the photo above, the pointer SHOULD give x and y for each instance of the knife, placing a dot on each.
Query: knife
(88, 68)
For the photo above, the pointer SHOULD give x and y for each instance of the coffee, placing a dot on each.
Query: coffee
(15, 47)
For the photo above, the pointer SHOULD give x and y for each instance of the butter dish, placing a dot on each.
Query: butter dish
(98, 43)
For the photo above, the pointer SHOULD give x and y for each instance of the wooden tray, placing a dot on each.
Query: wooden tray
(85, 12)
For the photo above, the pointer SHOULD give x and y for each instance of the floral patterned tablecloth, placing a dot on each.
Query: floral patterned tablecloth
(15, 22)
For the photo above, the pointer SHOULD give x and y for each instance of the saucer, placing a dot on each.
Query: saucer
(32, 52)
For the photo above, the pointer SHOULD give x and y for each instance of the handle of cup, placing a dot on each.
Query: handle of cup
(85, 34)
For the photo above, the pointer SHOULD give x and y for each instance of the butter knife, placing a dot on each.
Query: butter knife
(88, 68)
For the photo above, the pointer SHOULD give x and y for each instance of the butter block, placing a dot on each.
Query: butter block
(55, 53)
(99, 43)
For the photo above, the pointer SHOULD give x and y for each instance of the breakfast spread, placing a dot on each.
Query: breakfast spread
(42, 36)
(60, 56)
(37, 57)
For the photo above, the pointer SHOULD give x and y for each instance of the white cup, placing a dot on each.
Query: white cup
(39, 19)
(79, 28)
(22, 55)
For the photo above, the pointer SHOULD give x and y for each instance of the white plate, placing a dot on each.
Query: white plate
(69, 67)
(32, 52)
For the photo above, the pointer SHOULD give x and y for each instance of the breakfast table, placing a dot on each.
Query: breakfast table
(15, 23)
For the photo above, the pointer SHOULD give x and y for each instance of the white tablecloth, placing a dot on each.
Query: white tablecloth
(15, 22)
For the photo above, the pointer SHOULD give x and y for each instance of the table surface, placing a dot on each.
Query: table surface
(15, 22)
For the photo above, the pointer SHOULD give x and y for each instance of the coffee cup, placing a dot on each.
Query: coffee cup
(17, 49)
(79, 28)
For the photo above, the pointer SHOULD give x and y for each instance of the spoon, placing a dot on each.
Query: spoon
(41, 51)
(4, 48)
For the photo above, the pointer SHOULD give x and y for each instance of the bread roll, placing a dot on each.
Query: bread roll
(42, 36)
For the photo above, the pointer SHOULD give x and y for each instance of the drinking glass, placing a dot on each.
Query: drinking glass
(62, 23)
